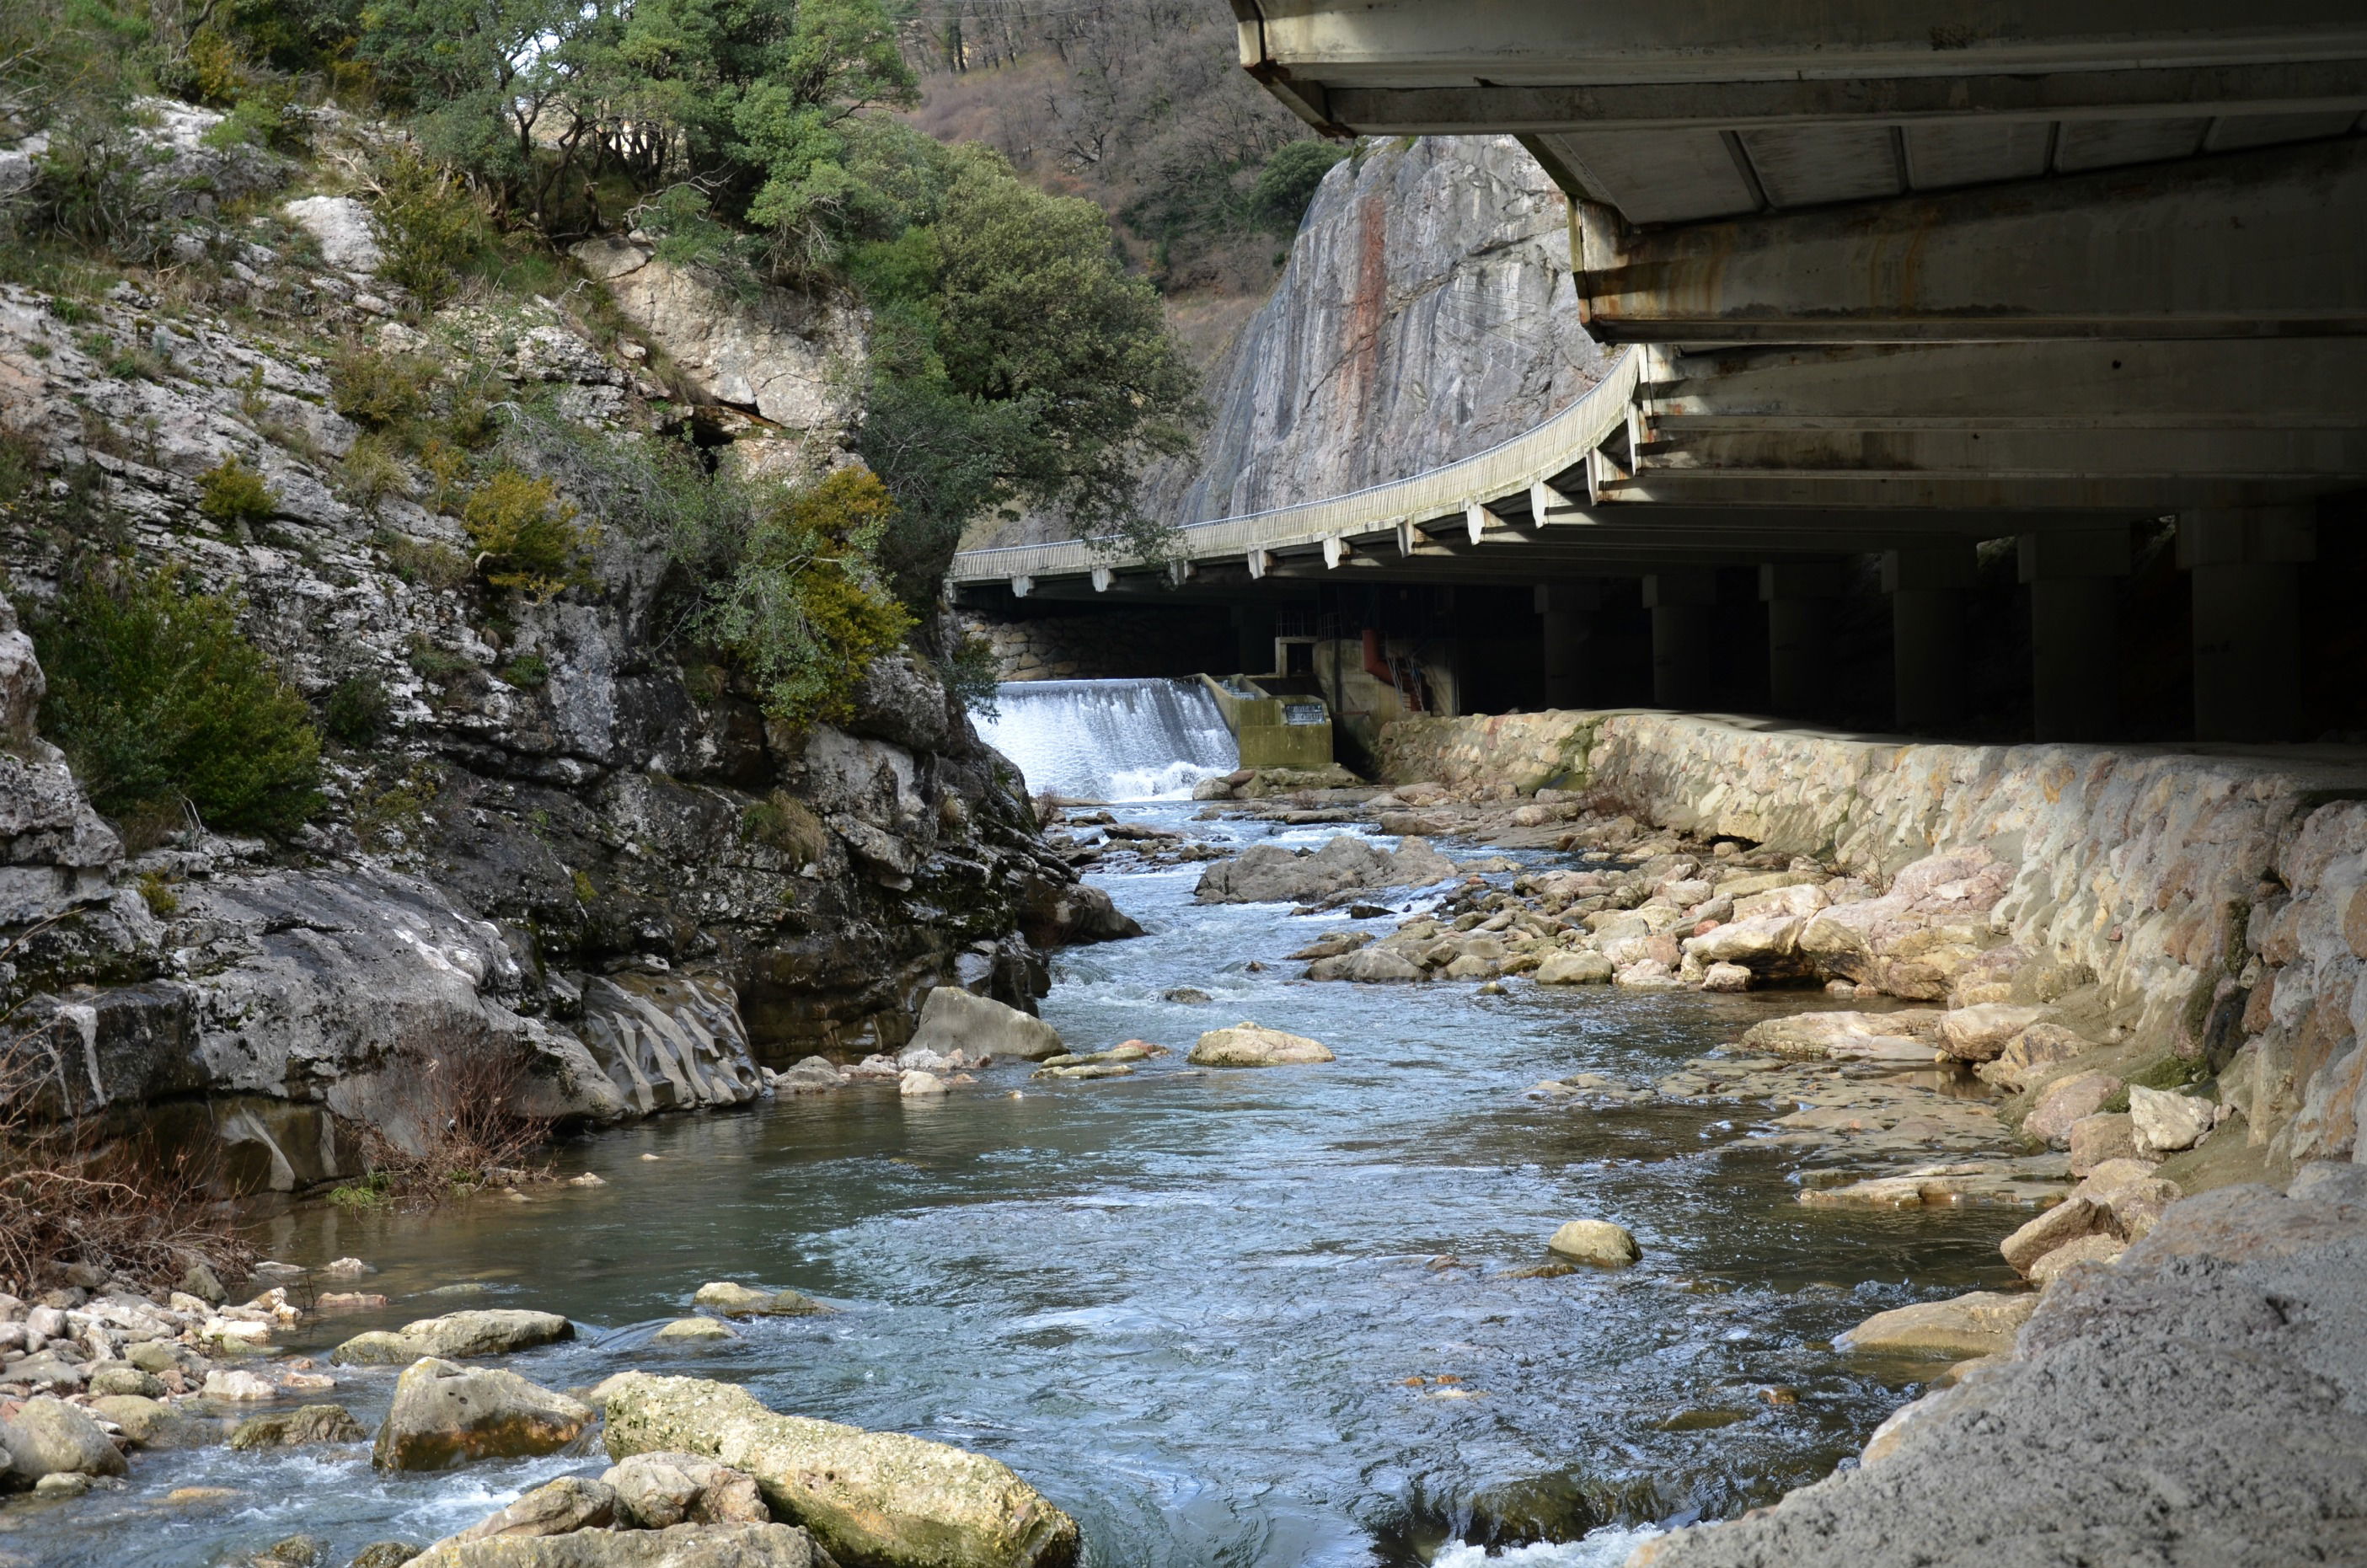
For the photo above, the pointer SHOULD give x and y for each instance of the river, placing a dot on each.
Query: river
(1188, 1305)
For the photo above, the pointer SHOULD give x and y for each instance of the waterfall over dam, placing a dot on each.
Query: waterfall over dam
(1111, 739)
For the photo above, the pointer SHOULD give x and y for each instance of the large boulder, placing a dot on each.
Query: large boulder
(2067, 1101)
(734, 1300)
(1370, 965)
(1248, 1045)
(1900, 1036)
(1582, 968)
(296, 1429)
(1595, 1241)
(556, 1507)
(683, 1546)
(456, 1336)
(878, 1498)
(2167, 1122)
(48, 1436)
(1981, 1032)
(444, 1412)
(956, 1020)
(1982, 1323)
(1915, 940)
(1767, 945)
(654, 1491)
(1270, 873)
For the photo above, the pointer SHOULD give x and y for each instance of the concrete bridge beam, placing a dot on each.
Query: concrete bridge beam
(2074, 630)
(1926, 586)
(2246, 569)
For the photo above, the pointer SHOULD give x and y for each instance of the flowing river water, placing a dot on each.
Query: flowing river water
(1187, 1306)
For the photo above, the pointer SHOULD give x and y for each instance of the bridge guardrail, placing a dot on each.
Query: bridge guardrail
(1511, 465)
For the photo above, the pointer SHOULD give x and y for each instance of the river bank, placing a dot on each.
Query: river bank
(1306, 1315)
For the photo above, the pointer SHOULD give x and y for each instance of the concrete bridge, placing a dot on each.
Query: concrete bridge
(1910, 291)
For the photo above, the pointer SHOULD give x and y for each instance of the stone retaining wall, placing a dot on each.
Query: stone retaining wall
(2218, 896)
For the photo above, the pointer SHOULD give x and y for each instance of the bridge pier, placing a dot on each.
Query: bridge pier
(1926, 632)
(1566, 612)
(2074, 630)
(1684, 636)
(1799, 598)
(2247, 583)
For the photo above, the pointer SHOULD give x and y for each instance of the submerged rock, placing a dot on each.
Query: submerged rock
(455, 1335)
(878, 1498)
(734, 1300)
(692, 1330)
(444, 1413)
(1248, 1045)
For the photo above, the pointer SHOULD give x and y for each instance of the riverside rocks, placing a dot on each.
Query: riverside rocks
(48, 1437)
(872, 1497)
(656, 1490)
(455, 1335)
(683, 1546)
(295, 1428)
(444, 1412)
(1980, 1324)
(956, 1020)
(1247, 1044)
(2198, 1401)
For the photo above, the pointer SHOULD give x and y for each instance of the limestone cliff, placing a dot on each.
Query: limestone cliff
(576, 860)
(1426, 314)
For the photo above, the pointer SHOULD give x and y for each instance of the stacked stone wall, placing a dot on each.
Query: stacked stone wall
(2217, 896)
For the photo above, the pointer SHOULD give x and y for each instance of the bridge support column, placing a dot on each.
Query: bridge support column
(1684, 636)
(1926, 632)
(2246, 618)
(1566, 612)
(1798, 596)
(1253, 632)
(2074, 630)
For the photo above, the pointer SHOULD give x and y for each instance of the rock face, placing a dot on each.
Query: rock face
(956, 1020)
(444, 1412)
(1248, 1045)
(871, 1497)
(2213, 908)
(494, 1332)
(2204, 1400)
(786, 358)
(1426, 315)
(1267, 874)
(569, 864)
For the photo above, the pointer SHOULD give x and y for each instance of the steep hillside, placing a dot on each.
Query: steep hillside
(535, 837)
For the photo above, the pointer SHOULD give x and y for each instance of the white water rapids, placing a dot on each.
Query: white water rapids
(1111, 739)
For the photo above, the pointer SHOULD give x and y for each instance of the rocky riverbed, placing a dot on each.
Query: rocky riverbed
(1497, 1220)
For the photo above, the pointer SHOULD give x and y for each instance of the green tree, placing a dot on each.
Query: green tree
(1014, 362)
(157, 700)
